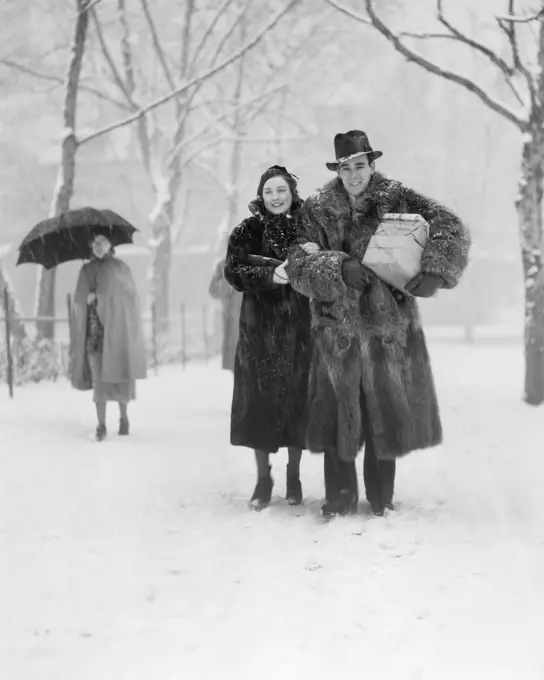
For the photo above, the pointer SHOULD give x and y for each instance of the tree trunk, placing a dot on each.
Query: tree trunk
(163, 215)
(231, 305)
(45, 295)
(161, 258)
(529, 206)
(17, 326)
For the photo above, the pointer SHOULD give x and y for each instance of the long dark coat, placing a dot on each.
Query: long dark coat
(273, 353)
(371, 375)
(231, 301)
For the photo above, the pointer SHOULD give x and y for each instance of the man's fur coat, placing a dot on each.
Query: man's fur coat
(371, 374)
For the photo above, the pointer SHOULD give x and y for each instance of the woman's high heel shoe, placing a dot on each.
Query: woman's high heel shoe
(293, 493)
(262, 494)
(101, 433)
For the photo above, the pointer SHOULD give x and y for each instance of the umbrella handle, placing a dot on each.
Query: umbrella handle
(264, 261)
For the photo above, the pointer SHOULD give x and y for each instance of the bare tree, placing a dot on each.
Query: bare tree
(521, 103)
(252, 108)
(172, 142)
(183, 86)
(17, 326)
(45, 302)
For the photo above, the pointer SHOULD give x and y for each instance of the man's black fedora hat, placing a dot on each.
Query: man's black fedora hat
(351, 144)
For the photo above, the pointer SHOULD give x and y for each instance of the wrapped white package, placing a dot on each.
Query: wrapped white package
(394, 251)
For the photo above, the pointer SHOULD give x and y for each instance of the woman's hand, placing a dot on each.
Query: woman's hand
(280, 275)
(310, 248)
(91, 297)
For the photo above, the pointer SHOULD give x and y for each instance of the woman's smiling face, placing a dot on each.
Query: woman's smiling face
(277, 196)
(100, 246)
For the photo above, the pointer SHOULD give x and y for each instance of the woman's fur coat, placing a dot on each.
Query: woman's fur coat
(371, 374)
(272, 359)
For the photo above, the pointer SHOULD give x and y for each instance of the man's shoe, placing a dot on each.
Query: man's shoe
(378, 509)
(340, 507)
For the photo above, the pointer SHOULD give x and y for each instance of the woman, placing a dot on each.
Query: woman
(272, 357)
(107, 347)
(231, 300)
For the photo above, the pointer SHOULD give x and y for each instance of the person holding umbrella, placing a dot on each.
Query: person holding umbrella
(107, 337)
(107, 349)
(271, 365)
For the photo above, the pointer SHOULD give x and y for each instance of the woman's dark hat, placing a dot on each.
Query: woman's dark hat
(278, 171)
(349, 145)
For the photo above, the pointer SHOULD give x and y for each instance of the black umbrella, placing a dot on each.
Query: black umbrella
(68, 236)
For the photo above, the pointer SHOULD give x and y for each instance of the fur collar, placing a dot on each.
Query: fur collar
(278, 232)
(381, 196)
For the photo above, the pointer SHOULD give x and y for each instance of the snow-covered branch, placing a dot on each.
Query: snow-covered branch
(493, 57)
(522, 20)
(212, 123)
(118, 80)
(426, 36)
(157, 45)
(209, 30)
(196, 79)
(91, 5)
(35, 73)
(409, 54)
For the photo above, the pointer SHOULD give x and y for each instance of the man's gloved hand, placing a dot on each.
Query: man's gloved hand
(399, 296)
(425, 285)
(355, 275)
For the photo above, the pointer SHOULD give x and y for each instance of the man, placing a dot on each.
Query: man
(371, 382)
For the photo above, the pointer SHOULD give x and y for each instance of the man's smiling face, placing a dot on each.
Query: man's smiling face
(355, 174)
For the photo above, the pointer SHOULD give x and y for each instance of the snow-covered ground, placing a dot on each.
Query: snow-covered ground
(137, 559)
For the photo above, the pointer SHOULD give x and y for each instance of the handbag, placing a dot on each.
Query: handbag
(95, 329)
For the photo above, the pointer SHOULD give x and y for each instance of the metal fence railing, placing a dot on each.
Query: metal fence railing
(194, 334)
